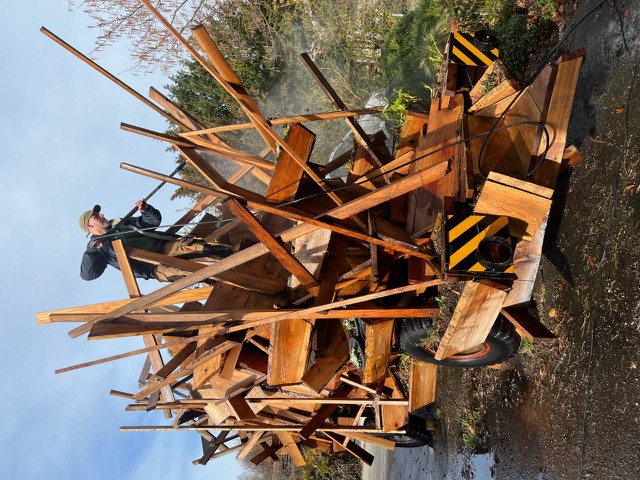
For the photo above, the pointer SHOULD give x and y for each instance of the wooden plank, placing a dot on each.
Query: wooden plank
(240, 408)
(309, 117)
(475, 314)
(177, 360)
(363, 164)
(527, 325)
(523, 185)
(414, 126)
(422, 384)
(230, 362)
(251, 315)
(373, 440)
(269, 451)
(493, 75)
(501, 91)
(209, 448)
(524, 137)
(352, 447)
(130, 281)
(228, 81)
(291, 448)
(285, 257)
(187, 370)
(224, 296)
(289, 351)
(287, 174)
(445, 128)
(104, 307)
(230, 153)
(525, 209)
(393, 416)
(378, 335)
(333, 357)
(557, 120)
(253, 441)
(498, 155)
(234, 277)
(526, 262)
(149, 340)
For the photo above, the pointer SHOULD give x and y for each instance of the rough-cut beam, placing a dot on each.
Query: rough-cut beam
(310, 117)
(288, 261)
(257, 314)
(96, 309)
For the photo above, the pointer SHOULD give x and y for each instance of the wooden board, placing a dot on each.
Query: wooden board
(475, 314)
(557, 120)
(527, 325)
(422, 384)
(518, 200)
(496, 72)
(498, 153)
(291, 448)
(289, 351)
(524, 137)
(499, 92)
(393, 416)
(377, 349)
(288, 173)
(332, 358)
(444, 128)
(526, 261)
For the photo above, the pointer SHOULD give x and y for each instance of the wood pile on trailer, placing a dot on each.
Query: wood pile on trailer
(260, 362)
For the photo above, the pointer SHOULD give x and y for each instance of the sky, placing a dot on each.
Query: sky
(61, 146)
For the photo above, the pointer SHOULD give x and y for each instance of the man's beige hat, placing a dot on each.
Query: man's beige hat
(84, 218)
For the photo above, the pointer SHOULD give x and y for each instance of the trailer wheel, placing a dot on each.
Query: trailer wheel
(501, 344)
(416, 434)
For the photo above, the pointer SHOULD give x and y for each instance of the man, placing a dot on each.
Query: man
(138, 232)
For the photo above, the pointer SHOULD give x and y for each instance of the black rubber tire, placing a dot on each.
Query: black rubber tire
(416, 434)
(502, 343)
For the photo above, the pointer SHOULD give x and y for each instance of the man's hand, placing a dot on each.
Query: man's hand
(142, 205)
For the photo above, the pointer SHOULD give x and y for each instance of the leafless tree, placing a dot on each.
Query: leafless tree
(151, 45)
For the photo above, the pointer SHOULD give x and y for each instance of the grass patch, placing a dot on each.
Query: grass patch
(527, 347)
(469, 427)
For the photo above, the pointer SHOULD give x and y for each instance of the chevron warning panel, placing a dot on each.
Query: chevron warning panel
(465, 239)
(462, 51)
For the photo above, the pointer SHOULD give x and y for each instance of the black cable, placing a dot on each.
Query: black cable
(141, 230)
(528, 82)
(603, 259)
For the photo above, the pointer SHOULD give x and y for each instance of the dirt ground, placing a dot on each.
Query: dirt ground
(571, 409)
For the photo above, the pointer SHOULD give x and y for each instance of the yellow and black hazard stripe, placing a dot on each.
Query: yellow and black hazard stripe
(463, 235)
(462, 51)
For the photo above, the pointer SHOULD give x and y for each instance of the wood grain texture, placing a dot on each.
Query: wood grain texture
(475, 314)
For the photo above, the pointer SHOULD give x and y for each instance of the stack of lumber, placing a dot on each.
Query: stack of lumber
(258, 363)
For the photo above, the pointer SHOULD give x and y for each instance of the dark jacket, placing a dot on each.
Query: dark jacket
(95, 260)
